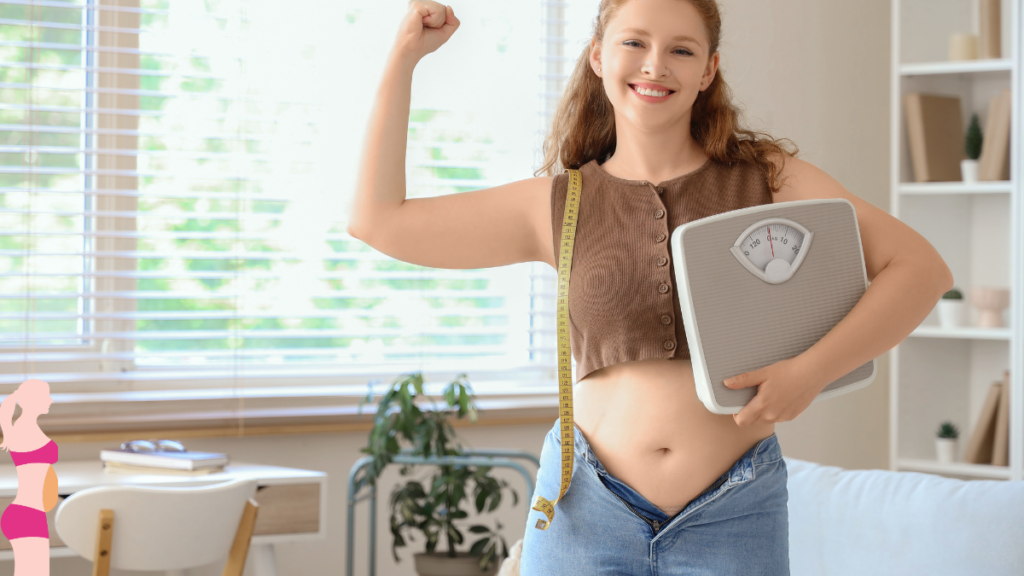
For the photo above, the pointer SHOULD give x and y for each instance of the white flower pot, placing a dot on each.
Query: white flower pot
(969, 171)
(952, 312)
(945, 450)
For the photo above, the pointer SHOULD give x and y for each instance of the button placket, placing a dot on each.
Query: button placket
(664, 288)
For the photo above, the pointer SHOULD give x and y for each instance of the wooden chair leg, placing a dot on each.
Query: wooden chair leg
(104, 537)
(240, 548)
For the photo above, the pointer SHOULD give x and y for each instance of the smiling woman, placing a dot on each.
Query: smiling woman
(658, 482)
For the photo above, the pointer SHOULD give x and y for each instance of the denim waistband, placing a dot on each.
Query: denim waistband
(765, 451)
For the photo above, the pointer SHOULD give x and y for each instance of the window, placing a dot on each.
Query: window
(176, 178)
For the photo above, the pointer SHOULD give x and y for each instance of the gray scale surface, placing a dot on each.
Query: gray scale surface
(736, 322)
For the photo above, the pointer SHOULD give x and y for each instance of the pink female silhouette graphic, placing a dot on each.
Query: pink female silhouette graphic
(24, 520)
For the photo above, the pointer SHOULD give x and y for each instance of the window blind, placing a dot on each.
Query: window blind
(175, 182)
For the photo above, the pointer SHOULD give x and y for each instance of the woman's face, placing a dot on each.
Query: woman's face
(658, 44)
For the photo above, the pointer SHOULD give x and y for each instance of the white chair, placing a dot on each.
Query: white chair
(153, 528)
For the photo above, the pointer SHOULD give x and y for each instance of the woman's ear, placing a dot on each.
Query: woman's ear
(709, 71)
(595, 56)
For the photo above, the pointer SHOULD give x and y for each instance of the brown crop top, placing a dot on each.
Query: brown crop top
(623, 304)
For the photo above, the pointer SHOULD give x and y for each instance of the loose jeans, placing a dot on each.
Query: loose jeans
(738, 525)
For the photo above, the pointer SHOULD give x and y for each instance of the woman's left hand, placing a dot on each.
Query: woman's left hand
(785, 389)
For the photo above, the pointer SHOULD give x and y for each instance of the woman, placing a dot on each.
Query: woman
(24, 520)
(660, 484)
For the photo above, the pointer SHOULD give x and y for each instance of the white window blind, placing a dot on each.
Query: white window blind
(176, 178)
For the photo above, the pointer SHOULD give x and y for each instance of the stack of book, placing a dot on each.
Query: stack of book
(184, 463)
(990, 441)
(936, 136)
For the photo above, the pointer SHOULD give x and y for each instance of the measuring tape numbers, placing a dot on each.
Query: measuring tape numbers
(569, 218)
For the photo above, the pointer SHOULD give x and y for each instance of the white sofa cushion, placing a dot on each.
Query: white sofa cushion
(879, 522)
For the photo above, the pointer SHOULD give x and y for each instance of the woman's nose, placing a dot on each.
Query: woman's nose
(653, 65)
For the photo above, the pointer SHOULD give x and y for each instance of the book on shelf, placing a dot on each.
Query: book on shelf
(994, 162)
(187, 460)
(119, 468)
(1001, 443)
(979, 447)
(935, 134)
(990, 37)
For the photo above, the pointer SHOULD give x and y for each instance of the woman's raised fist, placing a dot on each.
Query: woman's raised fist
(426, 26)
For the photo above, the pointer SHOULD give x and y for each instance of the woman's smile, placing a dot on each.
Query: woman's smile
(651, 92)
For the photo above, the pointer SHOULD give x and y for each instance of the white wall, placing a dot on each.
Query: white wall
(811, 70)
(818, 73)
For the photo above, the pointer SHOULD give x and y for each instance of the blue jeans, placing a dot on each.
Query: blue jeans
(738, 525)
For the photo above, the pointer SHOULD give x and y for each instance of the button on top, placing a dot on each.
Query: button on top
(661, 237)
(659, 213)
(660, 189)
(669, 344)
(666, 319)
(662, 261)
(663, 288)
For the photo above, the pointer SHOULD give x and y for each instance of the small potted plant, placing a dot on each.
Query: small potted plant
(972, 146)
(434, 510)
(945, 443)
(951, 309)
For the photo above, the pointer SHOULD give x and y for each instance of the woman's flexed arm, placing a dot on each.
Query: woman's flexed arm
(380, 188)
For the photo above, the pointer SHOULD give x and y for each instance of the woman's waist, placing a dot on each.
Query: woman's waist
(650, 407)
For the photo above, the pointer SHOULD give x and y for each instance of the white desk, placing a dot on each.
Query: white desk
(293, 502)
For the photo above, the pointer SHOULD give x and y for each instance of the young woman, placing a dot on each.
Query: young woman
(24, 520)
(660, 484)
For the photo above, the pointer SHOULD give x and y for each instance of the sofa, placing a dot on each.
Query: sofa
(879, 523)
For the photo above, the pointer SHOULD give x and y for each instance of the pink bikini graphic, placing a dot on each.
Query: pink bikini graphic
(25, 526)
(22, 521)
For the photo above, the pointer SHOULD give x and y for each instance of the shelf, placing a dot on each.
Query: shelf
(966, 332)
(957, 67)
(998, 187)
(957, 468)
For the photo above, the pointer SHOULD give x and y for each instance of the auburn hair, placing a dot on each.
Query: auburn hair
(583, 127)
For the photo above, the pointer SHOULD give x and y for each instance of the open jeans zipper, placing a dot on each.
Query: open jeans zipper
(654, 524)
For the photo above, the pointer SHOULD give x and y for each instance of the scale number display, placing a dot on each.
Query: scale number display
(773, 249)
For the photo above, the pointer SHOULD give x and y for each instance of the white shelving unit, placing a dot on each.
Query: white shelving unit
(941, 374)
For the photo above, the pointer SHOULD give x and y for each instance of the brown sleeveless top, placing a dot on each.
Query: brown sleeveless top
(623, 304)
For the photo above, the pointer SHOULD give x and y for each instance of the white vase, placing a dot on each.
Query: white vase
(951, 312)
(969, 171)
(945, 450)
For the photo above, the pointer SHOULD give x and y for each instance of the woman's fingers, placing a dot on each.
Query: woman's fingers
(434, 14)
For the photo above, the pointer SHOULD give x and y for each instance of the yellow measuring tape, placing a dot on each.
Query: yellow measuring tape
(572, 199)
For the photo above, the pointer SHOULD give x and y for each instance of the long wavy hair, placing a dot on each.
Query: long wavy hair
(584, 124)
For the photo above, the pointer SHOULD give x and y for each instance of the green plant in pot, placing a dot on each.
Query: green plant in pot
(952, 309)
(945, 442)
(972, 148)
(434, 508)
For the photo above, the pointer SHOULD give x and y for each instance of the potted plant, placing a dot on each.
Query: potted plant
(951, 309)
(435, 510)
(945, 443)
(972, 146)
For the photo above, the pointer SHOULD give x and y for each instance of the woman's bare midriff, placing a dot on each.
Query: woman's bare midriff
(645, 424)
(32, 476)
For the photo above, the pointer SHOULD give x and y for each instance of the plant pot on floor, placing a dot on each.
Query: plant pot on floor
(945, 450)
(440, 564)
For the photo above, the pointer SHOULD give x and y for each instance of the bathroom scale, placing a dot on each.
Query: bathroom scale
(762, 284)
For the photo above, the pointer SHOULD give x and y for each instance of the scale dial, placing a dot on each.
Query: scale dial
(772, 249)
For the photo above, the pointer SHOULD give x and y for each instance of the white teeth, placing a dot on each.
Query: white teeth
(649, 92)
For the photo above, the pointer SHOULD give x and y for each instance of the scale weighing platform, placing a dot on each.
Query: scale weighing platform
(761, 284)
